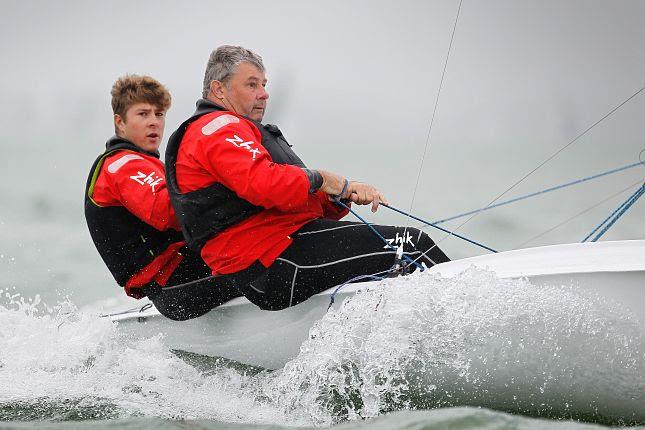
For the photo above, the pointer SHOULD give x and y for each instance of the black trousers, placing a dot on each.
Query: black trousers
(191, 290)
(326, 253)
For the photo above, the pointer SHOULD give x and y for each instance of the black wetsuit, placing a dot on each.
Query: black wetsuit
(326, 253)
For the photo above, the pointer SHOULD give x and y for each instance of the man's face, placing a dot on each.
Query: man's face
(245, 92)
(143, 125)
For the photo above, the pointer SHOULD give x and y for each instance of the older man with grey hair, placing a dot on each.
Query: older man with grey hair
(258, 216)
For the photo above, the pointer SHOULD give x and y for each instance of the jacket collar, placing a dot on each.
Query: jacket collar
(205, 106)
(117, 142)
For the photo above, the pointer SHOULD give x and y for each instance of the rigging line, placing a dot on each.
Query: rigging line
(536, 193)
(451, 233)
(387, 244)
(575, 139)
(609, 218)
(571, 142)
(523, 244)
(624, 207)
(434, 111)
(437, 227)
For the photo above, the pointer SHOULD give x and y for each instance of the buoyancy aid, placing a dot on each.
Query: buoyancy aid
(126, 243)
(205, 212)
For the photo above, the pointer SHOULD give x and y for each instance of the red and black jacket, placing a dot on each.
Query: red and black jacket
(126, 243)
(205, 212)
(238, 189)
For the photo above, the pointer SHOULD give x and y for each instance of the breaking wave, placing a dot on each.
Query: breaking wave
(419, 342)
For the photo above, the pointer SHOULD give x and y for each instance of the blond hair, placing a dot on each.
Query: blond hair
(129, 90)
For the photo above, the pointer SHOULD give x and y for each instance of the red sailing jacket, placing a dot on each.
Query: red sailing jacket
(230, 152)
(137, 182)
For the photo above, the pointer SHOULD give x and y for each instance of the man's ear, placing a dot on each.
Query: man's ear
(119, 125)
(217, 89)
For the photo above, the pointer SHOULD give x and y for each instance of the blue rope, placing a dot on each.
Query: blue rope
(599, 226)
(616, 214)
(388, 244)
(437, 227)
(336, 198)
(537, 193)
(374, 276)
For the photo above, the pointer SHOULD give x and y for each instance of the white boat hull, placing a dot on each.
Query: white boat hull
(240, 331)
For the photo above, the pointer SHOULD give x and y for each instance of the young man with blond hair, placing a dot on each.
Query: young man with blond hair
(128, 210)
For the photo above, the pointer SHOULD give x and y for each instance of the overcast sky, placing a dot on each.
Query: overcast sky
(352, 84)
(514, 63)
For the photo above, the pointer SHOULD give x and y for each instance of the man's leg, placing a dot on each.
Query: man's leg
(327, 253)
(191, 290)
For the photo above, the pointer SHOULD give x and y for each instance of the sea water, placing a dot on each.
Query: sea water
(475, 351)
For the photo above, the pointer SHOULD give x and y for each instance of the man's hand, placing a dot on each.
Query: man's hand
(332, 183)
(357, 192)
(364, 194)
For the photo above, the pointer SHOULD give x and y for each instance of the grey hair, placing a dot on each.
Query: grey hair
(223, 61)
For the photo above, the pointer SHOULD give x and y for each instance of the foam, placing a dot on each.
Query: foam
(417, 342)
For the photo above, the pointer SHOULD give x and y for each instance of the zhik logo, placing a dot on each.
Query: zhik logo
(240, 143)
(150, 179)
(400, 240)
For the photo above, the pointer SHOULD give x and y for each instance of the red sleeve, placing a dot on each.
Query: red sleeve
(330, 209)
(137, 182)
(238, 161)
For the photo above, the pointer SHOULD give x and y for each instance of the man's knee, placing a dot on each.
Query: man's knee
(416, 240)
(264, 295)
(266, 302)
(178, 310)
(273, 306)
(432, 253)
